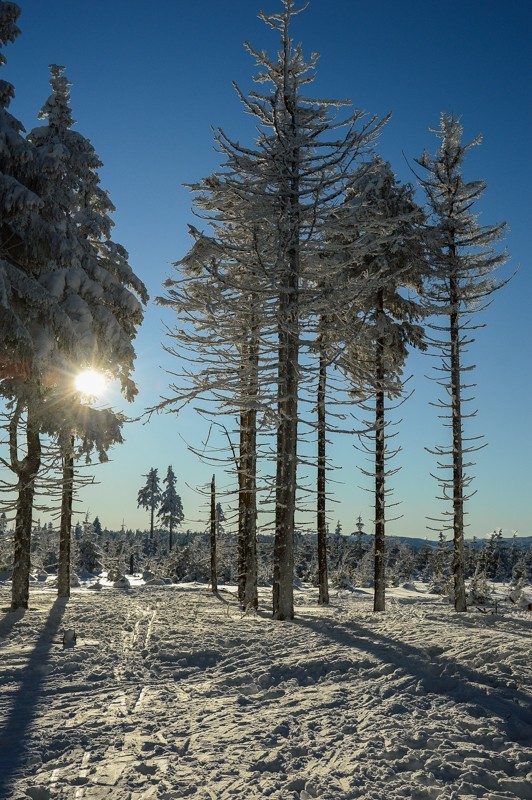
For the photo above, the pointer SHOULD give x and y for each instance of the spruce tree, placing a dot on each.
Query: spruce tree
(298, 168)
(28, 244)
(98, 291)
(171, 509)
(464, 259)
(384, 214)
(149, 497)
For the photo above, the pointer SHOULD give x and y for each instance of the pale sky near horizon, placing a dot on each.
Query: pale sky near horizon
(150, 81)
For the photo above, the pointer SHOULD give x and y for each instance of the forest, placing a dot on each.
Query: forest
(254, 655)
(317, 268)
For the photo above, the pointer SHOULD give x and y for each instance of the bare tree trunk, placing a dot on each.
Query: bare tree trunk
(247, 475)
(63, 570)
(288, 372)
(170, 542)
(242, 517)
(214, 577)
(379, 601)
(458, 473)
(247, 585)
(323, 583)
(26, 470)
(283, 573)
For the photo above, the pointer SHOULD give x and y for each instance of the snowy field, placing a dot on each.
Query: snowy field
(171, 692)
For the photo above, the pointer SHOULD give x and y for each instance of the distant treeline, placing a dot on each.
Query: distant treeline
(351, 559)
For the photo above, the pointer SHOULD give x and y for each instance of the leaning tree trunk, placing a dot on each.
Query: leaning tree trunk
(379, 601)
(26, 471)
(63, 570)
(214, 576)
(458, 470)
(323, 583)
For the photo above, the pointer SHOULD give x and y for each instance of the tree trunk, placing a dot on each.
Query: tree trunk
(323, 583)
(247, 583)
(214, 577)
(170, 542)
(63, 570)
(247, 477)
(283, 573)
(26, 471)
(379, 601)
(458, 473)
(151, 525)
(288, 373)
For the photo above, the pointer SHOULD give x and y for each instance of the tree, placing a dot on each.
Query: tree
(463, 256)
(294, 175)
(65, 533)
(220, 518)
(171, 509)
(26, 242)
(385, 215)
(95, 287)
(309, 170)
(149, 496)
(227, 272)
(214, 573)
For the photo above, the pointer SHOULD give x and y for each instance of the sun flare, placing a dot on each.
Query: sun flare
(91, 383)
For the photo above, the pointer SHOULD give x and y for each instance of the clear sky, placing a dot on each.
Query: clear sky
(149, 81)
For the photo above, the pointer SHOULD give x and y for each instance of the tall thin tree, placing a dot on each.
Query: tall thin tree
(464, 257)
(171, 509)
(149, 496)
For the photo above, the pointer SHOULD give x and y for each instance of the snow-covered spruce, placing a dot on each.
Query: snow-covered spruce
(464, 260)
(89, 315)
(267, 207)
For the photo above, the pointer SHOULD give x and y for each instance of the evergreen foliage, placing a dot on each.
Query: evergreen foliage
(149, 496)
(67, 294)
(171, 509)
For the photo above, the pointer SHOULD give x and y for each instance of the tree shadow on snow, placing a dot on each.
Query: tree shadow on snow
(437, 674)
(23, 702)
(9, 620)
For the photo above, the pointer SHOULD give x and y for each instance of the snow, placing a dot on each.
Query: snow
(170, 691)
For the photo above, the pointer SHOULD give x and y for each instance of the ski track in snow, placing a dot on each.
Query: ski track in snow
(171, 692)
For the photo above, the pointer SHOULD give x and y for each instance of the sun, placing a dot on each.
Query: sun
(90, 383)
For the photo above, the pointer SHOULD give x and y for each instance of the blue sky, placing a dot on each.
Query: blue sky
(149, 81)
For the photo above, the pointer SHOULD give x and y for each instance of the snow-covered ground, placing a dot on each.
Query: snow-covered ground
(172, 692)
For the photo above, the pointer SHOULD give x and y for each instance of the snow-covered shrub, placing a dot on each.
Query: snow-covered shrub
(341, 579)
(480, 593)
(114, 574)
(363, 573)
(441, 584)
(521, 597)
(89, 556)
